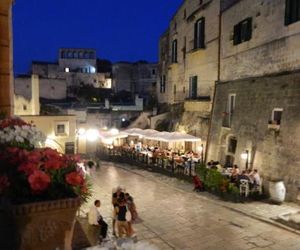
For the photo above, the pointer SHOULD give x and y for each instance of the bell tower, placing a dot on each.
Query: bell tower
(6, 58)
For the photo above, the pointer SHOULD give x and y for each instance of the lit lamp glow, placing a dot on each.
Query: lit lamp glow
(81, 131)
(114, 131)
(92, 135)
(245, 156)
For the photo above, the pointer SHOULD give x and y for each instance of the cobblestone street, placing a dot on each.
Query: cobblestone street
(173, 217)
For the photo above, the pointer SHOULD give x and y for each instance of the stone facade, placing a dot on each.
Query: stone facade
(190, 78)
(49, 88)
(76, 67)
(257, 100)
(192, 58)
(6, 57)
(137, 78)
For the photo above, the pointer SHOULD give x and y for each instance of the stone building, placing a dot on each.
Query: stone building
(49, 88)
(257, 98)
(75, 68)
(6, 57)
(138, 78)
(188, 64)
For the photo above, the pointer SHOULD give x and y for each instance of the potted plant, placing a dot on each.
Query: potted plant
(40, 189)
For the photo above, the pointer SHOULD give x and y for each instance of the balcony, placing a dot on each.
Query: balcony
(198, 104)
(274, 125)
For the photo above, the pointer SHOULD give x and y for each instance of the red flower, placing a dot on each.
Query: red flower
(4, 183)
(28, 168)
(53, 164)
(39, 181)
(74, 179)
(34, 156)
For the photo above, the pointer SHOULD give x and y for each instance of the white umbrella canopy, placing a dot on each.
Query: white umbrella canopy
(178, 136)
(134, 131)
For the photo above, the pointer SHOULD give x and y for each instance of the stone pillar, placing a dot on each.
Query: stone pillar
(6, 58)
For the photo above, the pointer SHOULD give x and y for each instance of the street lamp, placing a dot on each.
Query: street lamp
(245, 156)
(201, 150)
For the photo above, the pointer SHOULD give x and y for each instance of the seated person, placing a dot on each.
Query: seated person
(95, 219)
(235, 173)
(254, 175)
(243, 176)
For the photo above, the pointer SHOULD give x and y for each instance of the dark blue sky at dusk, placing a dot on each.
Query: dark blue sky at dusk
(120, 30)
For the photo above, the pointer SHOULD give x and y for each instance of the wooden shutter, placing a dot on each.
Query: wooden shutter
(287, 12)
(236, 34)
(249, 29)
(195, 34)
(202, 33)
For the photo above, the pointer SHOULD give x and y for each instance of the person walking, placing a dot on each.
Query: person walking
(122, 224)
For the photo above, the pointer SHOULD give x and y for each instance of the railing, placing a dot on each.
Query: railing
(168, 166)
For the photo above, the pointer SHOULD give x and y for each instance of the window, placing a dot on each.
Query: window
(52, 87)
(292, 11)
(61, 128)
(184, 14)
(175, 89)
(242, 31)
(163, 84)
(70, 54)
(67, 70)
(153, 71)
(276, 115)
(92, 55)
(174, 51)
(199, 34)
(193, 87)
(63, 54)
(232, 142)
(24, 107)
(231, 104)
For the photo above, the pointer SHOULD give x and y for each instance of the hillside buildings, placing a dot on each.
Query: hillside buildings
(248, 52)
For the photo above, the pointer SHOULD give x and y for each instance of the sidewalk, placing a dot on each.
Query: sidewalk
(258, 210)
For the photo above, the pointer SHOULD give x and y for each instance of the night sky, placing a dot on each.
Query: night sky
(120, 30)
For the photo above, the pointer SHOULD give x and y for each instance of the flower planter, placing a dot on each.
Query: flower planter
(46, 225)
(277, 191)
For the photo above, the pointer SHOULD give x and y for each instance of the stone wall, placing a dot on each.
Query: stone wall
(274, 46)
(274, 153)
(6, 57)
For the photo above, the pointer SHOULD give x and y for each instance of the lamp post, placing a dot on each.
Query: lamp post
(245, 156)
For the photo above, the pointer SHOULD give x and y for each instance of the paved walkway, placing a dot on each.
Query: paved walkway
(173, 217)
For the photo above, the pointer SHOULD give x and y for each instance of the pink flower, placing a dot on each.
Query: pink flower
(39, 181)
(74, 179)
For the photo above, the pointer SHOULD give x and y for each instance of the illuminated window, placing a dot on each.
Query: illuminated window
(67, 70)
(61, 128)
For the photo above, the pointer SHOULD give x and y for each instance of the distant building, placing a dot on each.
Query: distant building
(59, 129)
(138, 78)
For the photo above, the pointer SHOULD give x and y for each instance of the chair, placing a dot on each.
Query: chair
(244, 187)
(258, 188)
